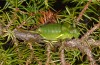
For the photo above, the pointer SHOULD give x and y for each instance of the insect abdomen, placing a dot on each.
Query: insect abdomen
(50, 31)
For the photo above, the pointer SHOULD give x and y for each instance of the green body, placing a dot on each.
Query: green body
(58, 31)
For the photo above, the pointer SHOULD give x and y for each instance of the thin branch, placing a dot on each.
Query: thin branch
(62, 56)
(48, 54)
(27, 36)
(90, 31)
(1, 29)
(11, 20)
(93, 42)
(82, 12)
(21, 25)
(17, 48)
(1, 63)
(52, 63)
(29, 60)
(77, 44)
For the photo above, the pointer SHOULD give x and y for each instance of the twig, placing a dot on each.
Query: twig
(12, 20)
(17, 48)
(82, 12)
(29, 60)
(77, 44)
(62, 56)
(27, 36)
(52, 63)
(21, 25)
(1, 29)
(93, 42)
(48, 54)
(90, 31)
(1, 63)
(72, 43)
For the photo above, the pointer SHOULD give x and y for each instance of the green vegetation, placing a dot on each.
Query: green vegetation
(30, 15)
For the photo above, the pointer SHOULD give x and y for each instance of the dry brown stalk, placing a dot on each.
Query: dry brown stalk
(82, 12)
(86, 35)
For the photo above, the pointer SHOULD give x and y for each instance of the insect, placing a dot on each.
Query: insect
(58, 31)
